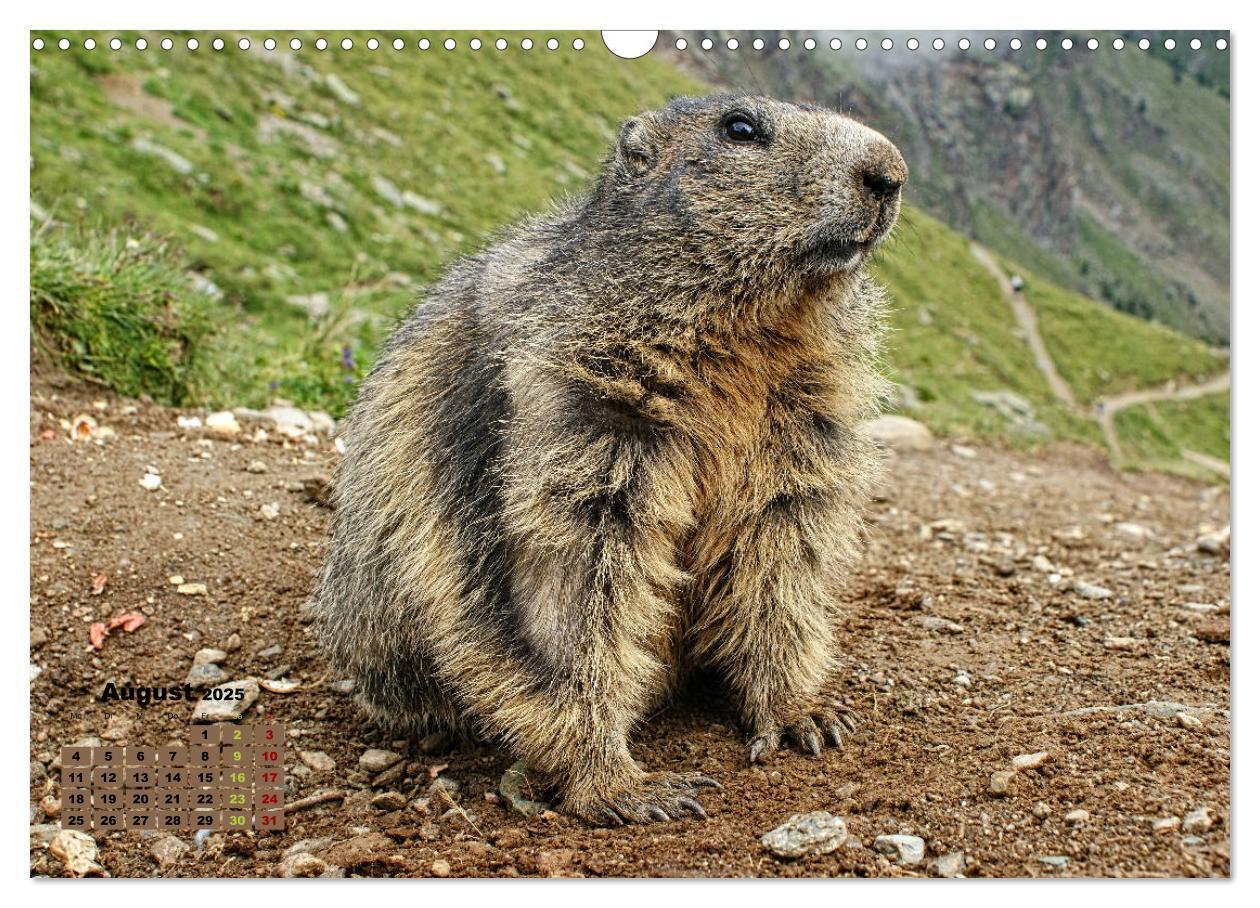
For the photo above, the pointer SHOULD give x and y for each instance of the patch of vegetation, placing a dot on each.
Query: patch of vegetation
(119, 308)
(1201, 425)
(1153, 436)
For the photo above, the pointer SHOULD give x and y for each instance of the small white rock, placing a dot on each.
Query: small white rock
(223, 423)
(1091, 591)
(1198, 820)
(907, 850)
(1030, 761)
(151, 481)
(1077, 817)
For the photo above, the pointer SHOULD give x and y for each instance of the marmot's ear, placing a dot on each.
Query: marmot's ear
(639, 145)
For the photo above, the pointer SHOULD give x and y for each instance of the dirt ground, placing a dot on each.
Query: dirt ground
(968, 643)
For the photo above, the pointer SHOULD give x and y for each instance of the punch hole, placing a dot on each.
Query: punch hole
(167, 44)
(706, 44)
(141, 44)
(860, 44)
(578, 44)
(886, 44)
(964, 43)
(552, 44)
(347, 44)
(912, 43)
(1144, 44)
(680, 44)
(784, 44)
(1195, 43)
(243, 43)
(500, 44)
(836, 44)
(38, 44)
(475, 44)
(1221, 44)
(450, 44)
(192, 44)
(373, 44)
(630, 45)
(64, 44)
(1066, 44)
(990, 44)
(398, 44)
(758, 44)
(938, 44)
(217, 44)
(321, 44)
(115, 44)
(89, 44)
(810, 43)
(527, 43)
(1118, 44)
(423, 44)
(1092, 44)
(1016, 44)
(295, 43)
(732, 44)
(1042, 44)
(1170, 44)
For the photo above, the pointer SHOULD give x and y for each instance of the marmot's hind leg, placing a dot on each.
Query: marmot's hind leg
(412, 705)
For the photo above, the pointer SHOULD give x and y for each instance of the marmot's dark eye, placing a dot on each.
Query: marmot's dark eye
(739, 129)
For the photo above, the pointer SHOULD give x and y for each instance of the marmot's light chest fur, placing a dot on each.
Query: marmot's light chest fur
(621, 443)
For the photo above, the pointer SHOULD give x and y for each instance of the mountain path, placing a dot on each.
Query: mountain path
(1107, 407)
(1026, 317)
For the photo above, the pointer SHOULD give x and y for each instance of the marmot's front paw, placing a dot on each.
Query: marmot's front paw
(658, 796)
(824, 724)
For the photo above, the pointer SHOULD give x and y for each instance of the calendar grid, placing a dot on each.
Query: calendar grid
(228, 777)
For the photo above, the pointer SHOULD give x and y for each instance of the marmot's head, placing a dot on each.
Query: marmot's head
(762, 191)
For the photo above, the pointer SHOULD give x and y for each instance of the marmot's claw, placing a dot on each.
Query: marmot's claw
(704, 782)
(694, 806)
(824, 725)
(660, 797)
(763, 746)
(611, 817)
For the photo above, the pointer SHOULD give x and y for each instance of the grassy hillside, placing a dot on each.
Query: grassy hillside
(313, 193)
(227, 227)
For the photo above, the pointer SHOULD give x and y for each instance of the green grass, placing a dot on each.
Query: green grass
(1153, 436)
(119, 308)
(1099, 351)
(1201, 425)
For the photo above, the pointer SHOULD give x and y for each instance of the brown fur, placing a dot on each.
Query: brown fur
(620, 444)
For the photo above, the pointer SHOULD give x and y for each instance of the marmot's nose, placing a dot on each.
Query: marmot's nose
(882, 180)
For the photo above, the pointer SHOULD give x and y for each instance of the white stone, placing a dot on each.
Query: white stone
(899, 433)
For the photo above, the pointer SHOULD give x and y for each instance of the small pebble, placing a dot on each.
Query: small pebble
(907, 850)
(806, 834)
(1077, 817)
(1030, 761)
(441, 868)
(1000, 782)
(1198, 820)
(375, 760)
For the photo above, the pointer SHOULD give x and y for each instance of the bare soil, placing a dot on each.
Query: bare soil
(961, 651)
